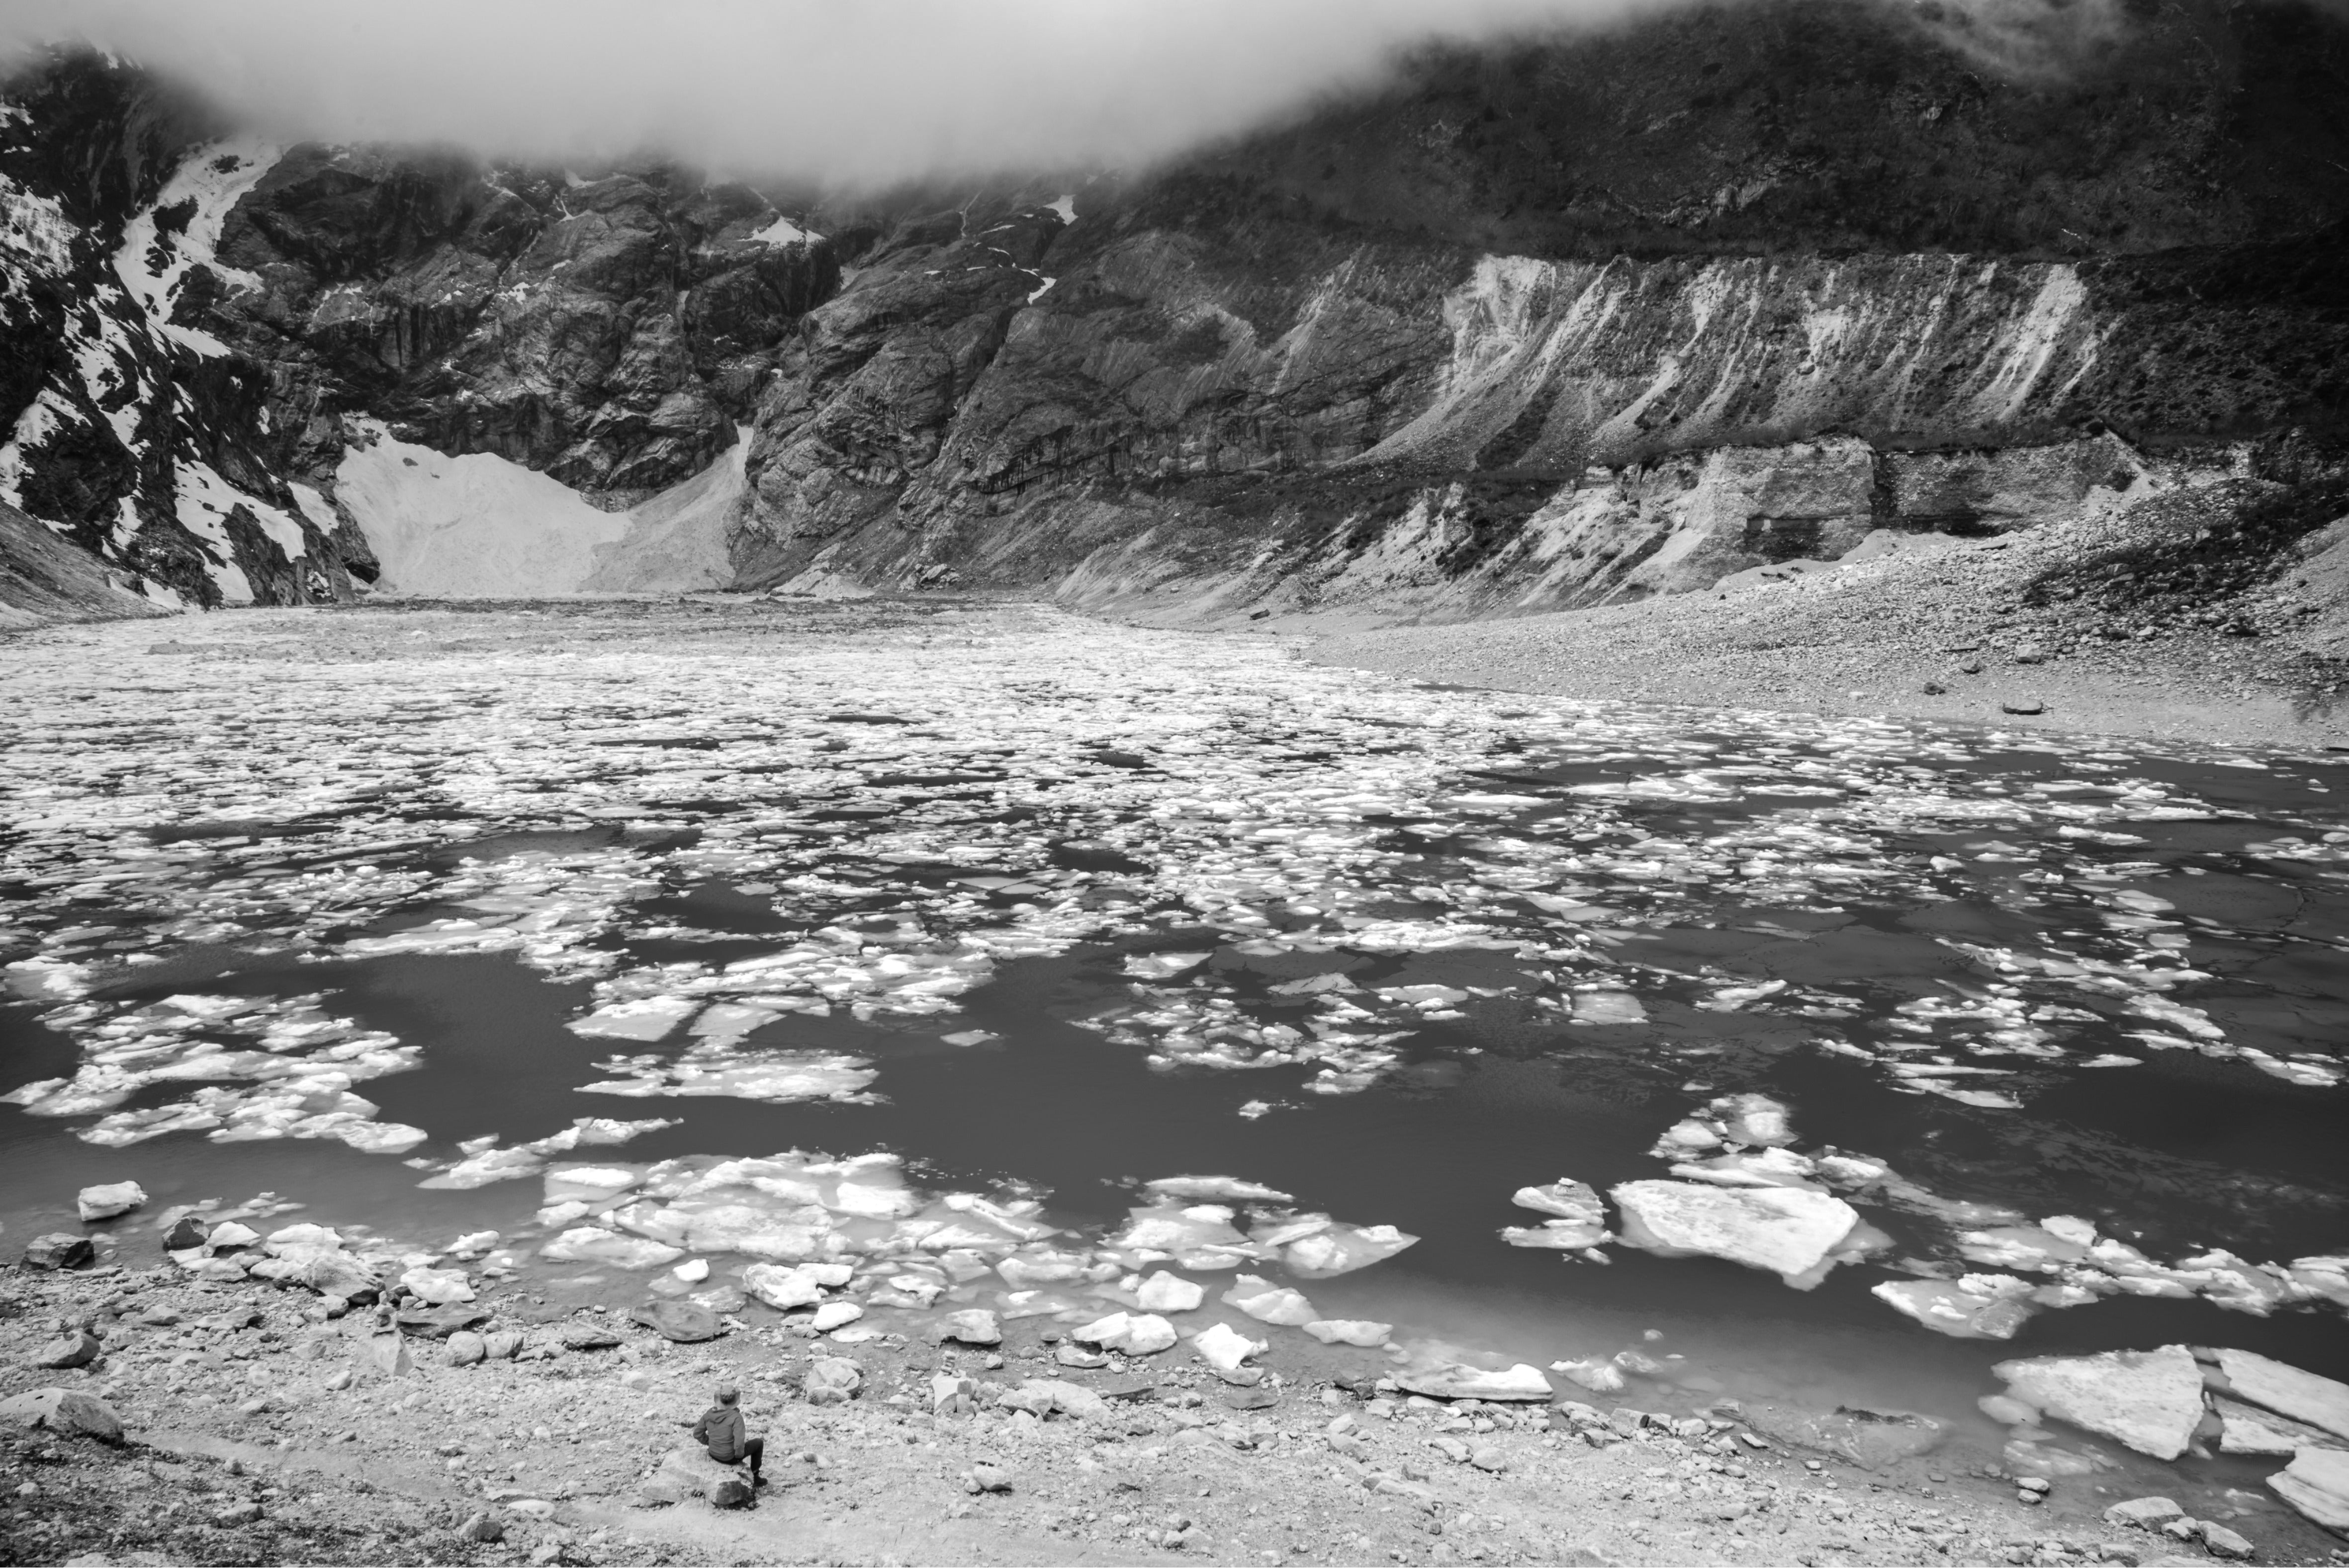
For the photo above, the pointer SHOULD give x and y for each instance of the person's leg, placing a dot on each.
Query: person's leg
(756, 1448)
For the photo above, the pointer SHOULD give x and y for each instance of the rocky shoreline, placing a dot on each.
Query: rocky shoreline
(180, 1406)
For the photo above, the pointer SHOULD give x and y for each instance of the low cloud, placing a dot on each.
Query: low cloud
(849, 91)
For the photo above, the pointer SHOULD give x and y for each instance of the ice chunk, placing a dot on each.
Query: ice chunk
(647, 1018)
(1133, 1334)
(2287, 1391)
(439, 1287)
(1341, 1249)
(593, 1244)
(1581, 1219)
(1224, 1347)
(834, 1315)
(1164, 966)
(1518, 1383)
(2149, 1399)
(1164, 1291)
(2316, 1483)
(1269, 1303)
(1791, 1232)
(1980, 1307)
(104, 1202)
(1349, 1331)
(1213, 1189)
(802, 1284)
(1597, 1373)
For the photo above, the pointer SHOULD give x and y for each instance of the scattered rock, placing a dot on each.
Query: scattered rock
(79, 1347)
(1869, 1438)
(986, 1478)
(1255, 1398)
(731, 1492)
(2149, 1399)
(685, 1322)
(388, 1354)
(1489, 1457)
(60, 1250)
(2143, 1512)
(589, 1336)
(237, 1513)
(2316, 1482)
(339, 1274)
(830, 1380)
(466, 1347)
(2221, 1541)
(104, 1202)
(502, 1347)
(953, 1396)
(2026, 706)
(64, 1411)
(482, 1529)
(440, 1321)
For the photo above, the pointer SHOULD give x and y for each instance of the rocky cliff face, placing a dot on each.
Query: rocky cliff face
(1544, 327)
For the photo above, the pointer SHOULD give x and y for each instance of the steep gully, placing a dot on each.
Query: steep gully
(1307, 372)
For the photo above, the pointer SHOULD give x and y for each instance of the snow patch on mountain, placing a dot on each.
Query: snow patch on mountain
(783, 231)
(163, 241)
(677, 541)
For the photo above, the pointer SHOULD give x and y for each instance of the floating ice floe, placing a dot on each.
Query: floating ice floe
(1164, 1291)
(1350, 1331)
(779, 1077)
(485, 1162)
(1581, 1221)
(1456, 1381)
(2150, 1401)
(1797, 1233)
(1269, 1303)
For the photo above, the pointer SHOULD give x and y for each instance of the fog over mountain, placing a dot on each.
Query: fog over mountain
(852, 93)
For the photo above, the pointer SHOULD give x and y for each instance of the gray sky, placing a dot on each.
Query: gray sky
(844, 90)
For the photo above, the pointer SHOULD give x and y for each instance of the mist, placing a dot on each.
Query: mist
(845, 91)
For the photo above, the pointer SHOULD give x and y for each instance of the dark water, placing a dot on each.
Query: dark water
(1803, 910)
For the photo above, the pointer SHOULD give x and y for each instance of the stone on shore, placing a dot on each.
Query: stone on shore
(2143, 1512)
(466, 1347)
(60, 1250)
(482, 1529)
(106, 1201)
(2316, 1482)
(830, 1380)
(974, 1326)
(66, 1411)
(1519, 1383)
(340, 1274)
(2287, 1391)
(731, 1492)
(1791, 1232)
(186, 1234)
(1068, 1398)
(684, 1322)
(952, 1395)
(2150, 1401)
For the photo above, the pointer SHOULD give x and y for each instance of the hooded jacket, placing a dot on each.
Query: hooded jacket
(722, 1430)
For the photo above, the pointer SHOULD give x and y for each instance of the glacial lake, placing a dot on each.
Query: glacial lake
(413, 918)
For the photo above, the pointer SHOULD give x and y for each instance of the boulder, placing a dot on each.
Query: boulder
(2143, 1512)
(731, 1492)
(104, 1202)
(986, 1478)
(1792, 1232)
(684, 1322)
(388, 1354)
(2316, 1482)
(831, 1380)
(2287, 1391)
(2221, 1541)
(1164, 1291)
(440, 1321)
(482, 1529)
(976, 1326)
(465, 1349)
(684, 1472)
(1519, 1383)
(187, 1233)
(78, 1348)
(60, 1250)
(64, 1411)
(340, 1274)
(2150, 1401)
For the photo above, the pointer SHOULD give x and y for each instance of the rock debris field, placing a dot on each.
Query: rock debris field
(1105, 1092)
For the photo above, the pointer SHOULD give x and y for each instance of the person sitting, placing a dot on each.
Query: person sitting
(722, 1431)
